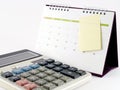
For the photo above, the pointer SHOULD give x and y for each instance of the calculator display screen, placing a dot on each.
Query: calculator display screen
(16, 57)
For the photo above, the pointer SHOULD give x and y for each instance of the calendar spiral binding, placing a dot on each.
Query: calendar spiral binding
(85, 10)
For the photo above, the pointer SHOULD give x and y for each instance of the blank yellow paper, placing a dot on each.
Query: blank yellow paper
(90, 33)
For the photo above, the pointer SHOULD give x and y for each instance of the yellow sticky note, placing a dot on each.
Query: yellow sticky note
(90, 33)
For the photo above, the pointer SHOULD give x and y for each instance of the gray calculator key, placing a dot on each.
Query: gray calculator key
(50, 66)
(14, 78)
(49, 78)
(49, 86)
(32, 78)
(66, 79)
(70, 73)
(41, 75)
(39, 88)
(25, 74)
(50, 72)
(40, 82)
(42, 69)
(57, 75)
(58, 82)
(7, 74)
(50, 60)
(34, 71)
(81, 72)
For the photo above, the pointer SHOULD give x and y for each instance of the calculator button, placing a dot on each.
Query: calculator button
(66, 79)
(50, 72)
(50, 66)
(22, 82)
(34, 66)
(17, 71)
(49, 78)
(32, 78)
(81, 72)
(70, 74)
(14, 78)
(42, 63)
(41, 75)
(25, 74)
(50, 60)
(27, 68)
(57, 69)
(65, 66)
(57, 63)
(35, 71)
(73, 69)
(42, 69)
(41, 82)
(7, 74)
(58, 82)
(39, 88)
(30, 86)
(49, 86)
(57, 75)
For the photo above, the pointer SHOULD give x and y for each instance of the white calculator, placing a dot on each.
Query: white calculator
(27, 70)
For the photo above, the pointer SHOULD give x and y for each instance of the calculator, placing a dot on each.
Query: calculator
(28, 70)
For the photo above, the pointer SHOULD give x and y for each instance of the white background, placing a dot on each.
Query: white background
(19, 24)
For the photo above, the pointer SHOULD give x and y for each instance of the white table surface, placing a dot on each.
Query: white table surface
(19, 24)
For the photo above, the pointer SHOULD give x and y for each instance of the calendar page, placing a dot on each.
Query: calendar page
(59, 36)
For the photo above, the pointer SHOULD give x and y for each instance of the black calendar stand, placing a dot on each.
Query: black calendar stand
(112, 53)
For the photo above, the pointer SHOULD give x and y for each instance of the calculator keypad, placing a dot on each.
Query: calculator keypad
(43, 75)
